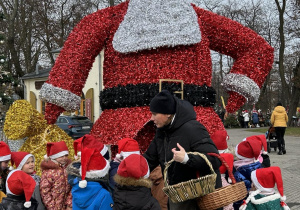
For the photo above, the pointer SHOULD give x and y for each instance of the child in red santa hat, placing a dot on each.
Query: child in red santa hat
(247, 153)
(73, 170)
(54, 187)
(265, 195)
(5, 156)
(26, 162)
(126, 147)
(220, 139)
(133, 186)
(263, 158)
(20, 187)
(88, 191)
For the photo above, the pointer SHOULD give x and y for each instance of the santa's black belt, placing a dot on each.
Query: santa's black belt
(141, 95)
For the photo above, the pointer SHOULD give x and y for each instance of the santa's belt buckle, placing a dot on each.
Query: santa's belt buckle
(173, 81)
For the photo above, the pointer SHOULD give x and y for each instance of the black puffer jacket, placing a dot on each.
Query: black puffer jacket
(13, 202)
(133, 194)
(193, 137)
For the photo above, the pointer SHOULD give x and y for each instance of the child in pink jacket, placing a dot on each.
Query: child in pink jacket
(54, 187)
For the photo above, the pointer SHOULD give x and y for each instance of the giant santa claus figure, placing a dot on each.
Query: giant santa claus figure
(148, 40)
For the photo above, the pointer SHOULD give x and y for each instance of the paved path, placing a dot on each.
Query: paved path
(289, 163)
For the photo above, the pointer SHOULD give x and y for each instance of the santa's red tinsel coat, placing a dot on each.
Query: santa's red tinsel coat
(191, 63)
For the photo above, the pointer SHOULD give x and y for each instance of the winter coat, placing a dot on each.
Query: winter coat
(255, 118)
(279, 117)
(13, 202)
(243, 173)
(112, 172)
(54, 188)
(246, 117)
(133, 194)
(263, 202)
(93, 196)
(96, 195)
(193, 137)
(36, 194)
(224, 184)
(156, 189)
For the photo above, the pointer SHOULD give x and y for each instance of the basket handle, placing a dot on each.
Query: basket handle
(193, 153)
(226, 165)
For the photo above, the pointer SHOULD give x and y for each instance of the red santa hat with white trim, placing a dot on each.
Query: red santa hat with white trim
(19, 159)
(56, 150)
(264, 180)
(126, 147)
(91, 142)
(248, 150)
(93, 165)
(77, 147)
(262, 140)
(5, 153)
(220, 138)
(134, 166)
(19, 183)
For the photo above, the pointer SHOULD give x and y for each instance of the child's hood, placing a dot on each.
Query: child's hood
(84, 197)
(49, 164)
(279, 109)
(128, 181)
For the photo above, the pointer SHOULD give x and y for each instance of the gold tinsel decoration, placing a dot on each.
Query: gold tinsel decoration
(23, 121)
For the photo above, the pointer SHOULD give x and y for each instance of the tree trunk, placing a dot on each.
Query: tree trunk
(285, 94)
(295, 93)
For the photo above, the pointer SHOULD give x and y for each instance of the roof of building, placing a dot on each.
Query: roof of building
(40, 74)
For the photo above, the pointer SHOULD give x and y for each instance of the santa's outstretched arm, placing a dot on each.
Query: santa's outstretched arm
(63, 88)
(253, 56)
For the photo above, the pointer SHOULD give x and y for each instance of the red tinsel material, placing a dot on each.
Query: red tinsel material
(192, 64)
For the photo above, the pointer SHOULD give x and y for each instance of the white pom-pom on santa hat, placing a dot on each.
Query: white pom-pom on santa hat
(264, 179)
(118, 156)
(19, 183)
(27, 204)
(11, 168)
(128, 146)
(82, 184)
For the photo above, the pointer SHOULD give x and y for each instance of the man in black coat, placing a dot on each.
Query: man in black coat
(178, 132)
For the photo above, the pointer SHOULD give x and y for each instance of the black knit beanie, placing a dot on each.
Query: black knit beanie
(163, 103)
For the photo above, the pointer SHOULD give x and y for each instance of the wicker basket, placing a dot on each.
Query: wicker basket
(224, 195)
(193, 188)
